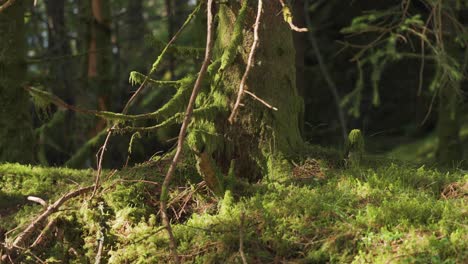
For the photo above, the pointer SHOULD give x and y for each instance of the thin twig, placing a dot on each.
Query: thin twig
(260, 100)
(41, 218)
(6, 5)
(241, 238)
(37, 200)
(289, 20)
(40, 237)
(249, 63)
(100, 247)
(183, 130)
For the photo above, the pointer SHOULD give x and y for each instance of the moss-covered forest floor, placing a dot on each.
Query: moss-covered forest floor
(318, 212)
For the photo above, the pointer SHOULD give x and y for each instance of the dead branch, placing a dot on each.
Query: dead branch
(241, 238)
(288, 18)
(46, 229)
(35, 224)
(260, 100)
(183, 131)
(249, 63)
(37, 200)
(6, 5)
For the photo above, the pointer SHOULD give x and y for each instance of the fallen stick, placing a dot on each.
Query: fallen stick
(41, 218)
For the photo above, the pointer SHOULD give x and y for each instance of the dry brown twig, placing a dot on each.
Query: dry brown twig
(183, 131)
(289, 21)
(7, 4)
(40, 237)
(249, 66)
(37, 222)
(241, 238)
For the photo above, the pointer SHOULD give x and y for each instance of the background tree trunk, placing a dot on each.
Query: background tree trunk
(16, 136)
(100, 56)
(449, 150)
(62, 83)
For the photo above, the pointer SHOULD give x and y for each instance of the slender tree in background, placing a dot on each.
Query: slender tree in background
(59, 47)
(99, 64)
(62, 83)
(449, 150)
(300, 43)
(16, 136)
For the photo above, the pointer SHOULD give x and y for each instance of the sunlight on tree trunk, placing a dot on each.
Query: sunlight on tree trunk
(266, 135)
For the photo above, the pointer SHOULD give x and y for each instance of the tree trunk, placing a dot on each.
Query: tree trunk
(300, 43)
(59, 46)
(16, 136)
(100, 56)
(449, 150)
(260, 137)
(62, 83)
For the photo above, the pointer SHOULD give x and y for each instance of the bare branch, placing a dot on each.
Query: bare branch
(183, 131)
(241, 238)
(6, 5)
(41, 218)
(261, 100)
(40, 237)
(249, 63)
(288, 18)
(37, 200)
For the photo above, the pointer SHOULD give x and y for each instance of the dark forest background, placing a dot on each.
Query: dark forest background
(84, 51)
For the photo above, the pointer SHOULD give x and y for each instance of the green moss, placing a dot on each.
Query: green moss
(354, 148)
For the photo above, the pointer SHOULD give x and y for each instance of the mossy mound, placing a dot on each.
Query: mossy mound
(376, 214)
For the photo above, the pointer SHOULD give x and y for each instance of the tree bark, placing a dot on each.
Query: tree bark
(16, 136)
(259, 136)
(100, 56)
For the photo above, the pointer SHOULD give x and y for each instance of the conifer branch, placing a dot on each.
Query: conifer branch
(102, 150)
(183, 131)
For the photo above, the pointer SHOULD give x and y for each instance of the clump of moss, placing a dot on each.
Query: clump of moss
(389, 213)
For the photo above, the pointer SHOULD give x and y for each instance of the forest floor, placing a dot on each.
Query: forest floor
(380, 212)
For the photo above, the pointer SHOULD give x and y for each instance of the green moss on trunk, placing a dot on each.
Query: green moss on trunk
(259, 134)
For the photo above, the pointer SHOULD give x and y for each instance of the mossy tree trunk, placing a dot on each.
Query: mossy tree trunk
(260, 137)
(16, 136)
